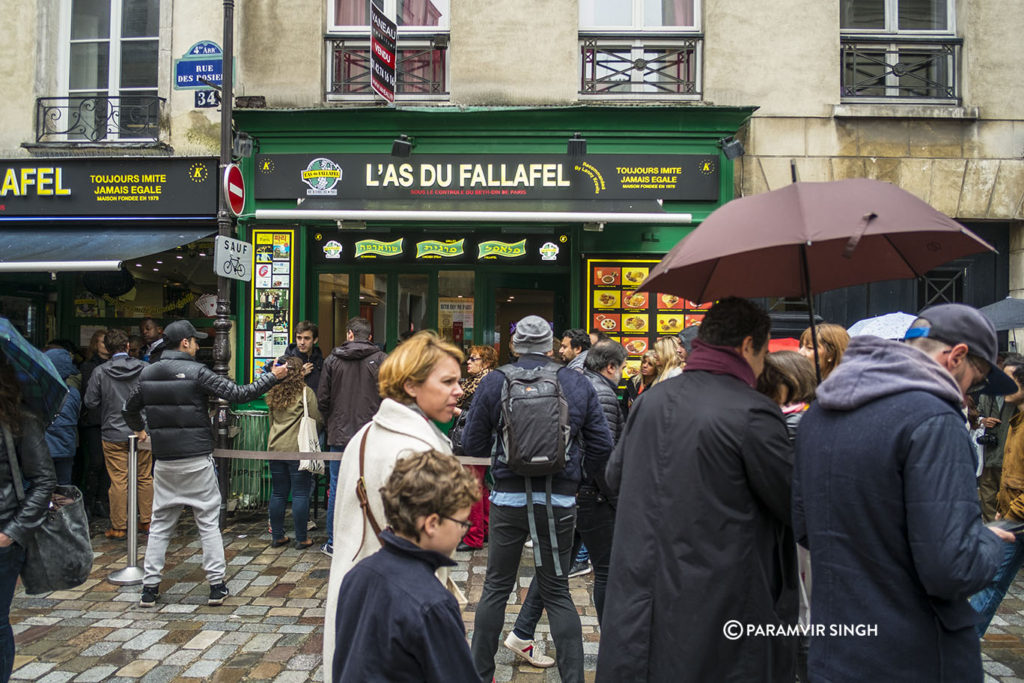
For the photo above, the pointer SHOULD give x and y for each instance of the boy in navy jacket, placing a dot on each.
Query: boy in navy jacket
(395, 621)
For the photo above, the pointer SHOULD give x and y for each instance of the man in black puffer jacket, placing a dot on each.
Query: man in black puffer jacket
(175, 393)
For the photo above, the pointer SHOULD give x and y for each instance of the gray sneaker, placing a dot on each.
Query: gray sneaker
(217, 594)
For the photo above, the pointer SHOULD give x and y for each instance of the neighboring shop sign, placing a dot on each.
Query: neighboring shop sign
(634, 319)
(693, 177)
(272, 311)
(334, 246)
(109, 187)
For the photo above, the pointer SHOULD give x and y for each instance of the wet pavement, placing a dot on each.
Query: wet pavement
(271, 627)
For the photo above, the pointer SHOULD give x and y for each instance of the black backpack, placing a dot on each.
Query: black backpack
(534, 420)
(535, 435)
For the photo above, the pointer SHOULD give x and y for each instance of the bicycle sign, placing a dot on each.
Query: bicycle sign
(233, 259)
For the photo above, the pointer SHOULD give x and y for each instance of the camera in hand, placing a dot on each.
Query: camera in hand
(987, 439)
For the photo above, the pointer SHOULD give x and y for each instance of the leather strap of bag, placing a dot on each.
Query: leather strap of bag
(364, 500)
(12, 457)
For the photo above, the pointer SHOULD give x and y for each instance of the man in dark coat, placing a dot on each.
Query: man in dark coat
(510, 523)
(305, 348)
(703, 470)
(348, 398)
(884, 498)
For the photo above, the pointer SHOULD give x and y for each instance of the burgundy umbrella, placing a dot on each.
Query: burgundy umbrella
(811, 237)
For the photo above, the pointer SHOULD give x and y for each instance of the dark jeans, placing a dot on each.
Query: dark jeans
(11, 560)
(333, 467)
(63, 468)
(595, 519)
(284, 476)
(986, 601)
(509, 529)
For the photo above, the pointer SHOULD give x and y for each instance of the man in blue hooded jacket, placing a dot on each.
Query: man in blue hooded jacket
(884, 497)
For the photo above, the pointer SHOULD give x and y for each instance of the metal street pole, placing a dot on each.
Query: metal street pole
(225, 228)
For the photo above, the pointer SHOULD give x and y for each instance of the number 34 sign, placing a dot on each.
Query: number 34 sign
(207, 99)
(232, 258)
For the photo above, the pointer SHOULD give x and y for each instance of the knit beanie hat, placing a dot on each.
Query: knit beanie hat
(533, 335)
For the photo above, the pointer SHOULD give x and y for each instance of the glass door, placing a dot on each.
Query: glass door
(516, 296)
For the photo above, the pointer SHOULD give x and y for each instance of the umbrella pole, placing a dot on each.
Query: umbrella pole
(810, 309)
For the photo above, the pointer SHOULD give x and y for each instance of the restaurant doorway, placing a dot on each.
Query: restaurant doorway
(516, 296)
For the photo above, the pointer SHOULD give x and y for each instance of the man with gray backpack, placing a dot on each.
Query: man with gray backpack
(534, 414)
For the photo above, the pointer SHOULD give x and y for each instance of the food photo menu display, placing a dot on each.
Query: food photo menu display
(634, 319)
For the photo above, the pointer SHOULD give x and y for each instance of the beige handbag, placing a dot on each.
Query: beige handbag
(309, 440)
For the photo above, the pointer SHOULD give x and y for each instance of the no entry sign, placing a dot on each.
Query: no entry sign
(234, 188)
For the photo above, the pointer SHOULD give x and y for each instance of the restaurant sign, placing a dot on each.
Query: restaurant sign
(108, 187)
(693, 177)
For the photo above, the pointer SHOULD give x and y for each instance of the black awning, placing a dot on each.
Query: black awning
(64, 249)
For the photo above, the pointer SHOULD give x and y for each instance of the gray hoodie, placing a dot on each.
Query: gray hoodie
(873, 367)
(109, 386)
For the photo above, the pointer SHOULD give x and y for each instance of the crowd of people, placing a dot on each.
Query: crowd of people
(746, 514)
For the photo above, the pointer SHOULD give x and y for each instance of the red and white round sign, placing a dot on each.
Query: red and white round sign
(234, 188)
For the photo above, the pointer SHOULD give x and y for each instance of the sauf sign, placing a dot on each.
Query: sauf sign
(232, 258)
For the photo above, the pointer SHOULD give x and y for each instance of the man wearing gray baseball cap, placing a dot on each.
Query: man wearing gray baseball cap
(885, 499)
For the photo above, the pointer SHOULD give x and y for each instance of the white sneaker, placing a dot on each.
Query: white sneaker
(524, 650)
(529, 543)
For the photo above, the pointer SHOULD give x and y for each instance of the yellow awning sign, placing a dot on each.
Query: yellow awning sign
(378, 248)
(436, 248)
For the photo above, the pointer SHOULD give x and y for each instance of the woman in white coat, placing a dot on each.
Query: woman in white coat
(419, 382)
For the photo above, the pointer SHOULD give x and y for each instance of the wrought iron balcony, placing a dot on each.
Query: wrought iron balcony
(421, 67)
(98, 118)
(640, 66)
(900, 68)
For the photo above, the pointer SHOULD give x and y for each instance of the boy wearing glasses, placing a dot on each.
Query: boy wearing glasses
(395, 621)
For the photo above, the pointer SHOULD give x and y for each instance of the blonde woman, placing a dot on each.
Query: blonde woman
(419, 383)
(666, 353)
(832, 343)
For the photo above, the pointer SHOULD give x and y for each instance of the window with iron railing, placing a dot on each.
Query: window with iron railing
(421, 59)
(640, 48)
(109, 68)
(899, 50)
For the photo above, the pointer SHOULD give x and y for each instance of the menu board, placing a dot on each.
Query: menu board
(634, 319)
(273, 298)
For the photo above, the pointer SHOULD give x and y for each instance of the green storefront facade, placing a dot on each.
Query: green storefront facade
(485, 218)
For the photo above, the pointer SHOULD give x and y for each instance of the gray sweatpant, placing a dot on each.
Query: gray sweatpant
(176, 483)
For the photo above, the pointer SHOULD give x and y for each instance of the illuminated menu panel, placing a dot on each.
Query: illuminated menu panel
(272, 301)
(634, 319)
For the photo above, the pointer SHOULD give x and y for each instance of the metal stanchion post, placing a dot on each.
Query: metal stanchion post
(132, 574)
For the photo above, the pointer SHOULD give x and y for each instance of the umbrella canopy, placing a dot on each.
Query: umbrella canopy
(888, 326)
(816, 236)
(1007, 314)
(42, 389)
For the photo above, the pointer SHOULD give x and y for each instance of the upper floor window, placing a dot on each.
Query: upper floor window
(644, 48)
(109, 73)
(899, 49)
(637, 15)
(422, 48)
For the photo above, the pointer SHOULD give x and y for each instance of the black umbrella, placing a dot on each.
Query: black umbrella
(1007, 314)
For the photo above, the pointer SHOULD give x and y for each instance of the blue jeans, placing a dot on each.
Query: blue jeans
(12, 558)
(334, 466)
(285, 476)
(986, 601)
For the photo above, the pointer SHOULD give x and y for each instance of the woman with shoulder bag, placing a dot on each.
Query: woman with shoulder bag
(419, 383)
(289, 401)
(18, 520)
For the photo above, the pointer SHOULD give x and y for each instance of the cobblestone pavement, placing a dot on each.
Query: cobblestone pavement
(271, 627)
